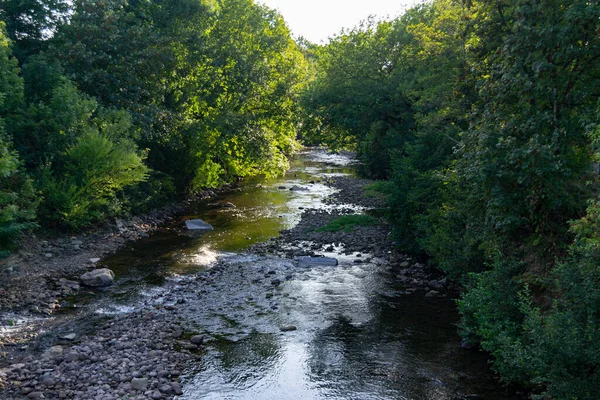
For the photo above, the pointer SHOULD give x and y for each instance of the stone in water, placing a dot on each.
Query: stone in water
(197, 225)
(305, 261)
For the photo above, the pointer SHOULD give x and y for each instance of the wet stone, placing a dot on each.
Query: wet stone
(197, 340)
(198, 225)
(288, 328)
(308, 261)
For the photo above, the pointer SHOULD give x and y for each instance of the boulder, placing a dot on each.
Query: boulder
(98, 278)
(288, 328)
(197, 225)
(307, 261)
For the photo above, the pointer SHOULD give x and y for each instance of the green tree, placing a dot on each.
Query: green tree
(249, 125)
(17, 199)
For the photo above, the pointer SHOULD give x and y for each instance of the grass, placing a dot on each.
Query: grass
(348, 223)
(379, 189)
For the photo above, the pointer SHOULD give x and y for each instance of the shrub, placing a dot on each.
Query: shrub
(96, 168)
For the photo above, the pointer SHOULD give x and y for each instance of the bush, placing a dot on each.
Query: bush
(96, 168)
(492, 316)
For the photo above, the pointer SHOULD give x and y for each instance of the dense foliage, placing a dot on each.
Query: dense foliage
(109, 107)
(483, 116)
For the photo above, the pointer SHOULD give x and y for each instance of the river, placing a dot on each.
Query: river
(356, 335)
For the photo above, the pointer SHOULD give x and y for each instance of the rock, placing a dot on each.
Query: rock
(156, 395)
(297, 188)
(94, 260)
(139, 383)
(288, 328)
(276, 282)
(432, 293)
(282, 188)
(166, 389)
(26, 390)
(70, 336)
(98, 278)
(72, 356)
(197, 340)
(54, 351)
(197, 225)
(190, 346)
(404, 264)
(307, 261)
(48, 381)
(65, 283)
(176, 389)
(229, 205)
(435, 284)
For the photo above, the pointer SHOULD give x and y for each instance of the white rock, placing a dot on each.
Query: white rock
(198, 225)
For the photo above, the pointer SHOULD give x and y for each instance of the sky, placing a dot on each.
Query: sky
(317, 20)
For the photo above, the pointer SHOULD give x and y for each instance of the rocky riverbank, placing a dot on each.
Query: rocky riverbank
(144, 353)
(45, 270)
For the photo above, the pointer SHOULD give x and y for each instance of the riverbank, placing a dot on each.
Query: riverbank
(151, 350)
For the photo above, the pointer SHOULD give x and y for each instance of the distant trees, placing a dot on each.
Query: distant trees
(484, 116)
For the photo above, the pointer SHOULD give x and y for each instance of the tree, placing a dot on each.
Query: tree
(29, 23)
(17, 198)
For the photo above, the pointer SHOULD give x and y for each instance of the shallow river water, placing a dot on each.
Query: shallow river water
(355, 338)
